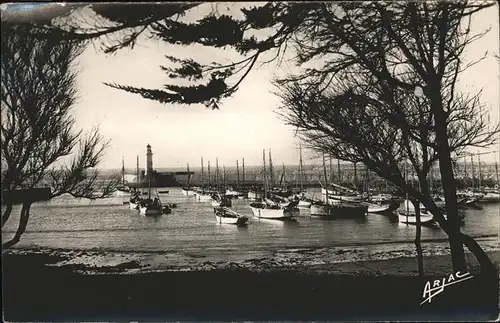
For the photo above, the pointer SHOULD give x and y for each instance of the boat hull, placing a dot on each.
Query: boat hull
(490, 197)
(203, 197)
(304, 204)
(267, 213)
(425, 218)
(376, 208)
(187, 192)
(337, 211)
(334, 198)
(148, 211)
(216, 203)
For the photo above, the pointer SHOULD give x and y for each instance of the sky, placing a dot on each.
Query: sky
(245, 124)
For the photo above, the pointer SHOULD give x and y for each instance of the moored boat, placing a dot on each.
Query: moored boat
(269, 211)
(150, 207)
(344, 210)
(426, 219)
(377, 208)
(225, 215)
(219, 200)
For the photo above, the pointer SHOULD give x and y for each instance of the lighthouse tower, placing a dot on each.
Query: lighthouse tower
(149, 160)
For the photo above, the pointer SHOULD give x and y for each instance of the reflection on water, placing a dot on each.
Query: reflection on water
(191, 228)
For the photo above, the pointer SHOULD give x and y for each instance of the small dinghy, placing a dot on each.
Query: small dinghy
(224, 215)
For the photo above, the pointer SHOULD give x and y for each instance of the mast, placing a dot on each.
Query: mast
(217, 173)
(283, 181)
(465, 171)
(355, 177)
(237, 175)
(243, 166)
(326, 179)
(123, 171)
(406, 194)
(271, 171)
(331, 170)
(209, 176)
(479, 166)
(202, 179)
(496, 171)
(301, 171)
(223, 177)
(137, 170)
(339, 179)
(472, 166)
(265, 172)
(149, 185)
(189, 176)
(367, 181)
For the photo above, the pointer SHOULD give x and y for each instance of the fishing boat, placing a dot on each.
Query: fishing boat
(377, 208)
(150, 207)
(304, 202)
(188, 190)
(381, 199)
(338, 209)
(219, 200)
(204, 195)
(254, 194)
(344, 210)
(224, 215)
(490, 196)
(268, 209)
(341, 194)
(426, 219)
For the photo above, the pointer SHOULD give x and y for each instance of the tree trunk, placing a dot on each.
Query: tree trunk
(449, 184)
(23, 222)
(487, 266)
(6, 214)
(418, 244)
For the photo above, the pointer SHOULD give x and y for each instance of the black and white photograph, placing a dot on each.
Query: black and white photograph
(250, 161)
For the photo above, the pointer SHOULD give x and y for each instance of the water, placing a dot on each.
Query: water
(109, 232)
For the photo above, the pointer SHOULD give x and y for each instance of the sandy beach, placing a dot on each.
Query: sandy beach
(36, 290)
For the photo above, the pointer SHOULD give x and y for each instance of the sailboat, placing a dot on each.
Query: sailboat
(204, 194)
(268, 209)
(187, 190)
(339, 209)
(237, 193)
(374, 207)
(220, 200)
(149, 206)
(304, 203)
(224, 215)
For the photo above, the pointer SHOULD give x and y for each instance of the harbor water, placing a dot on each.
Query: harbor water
(106, 233)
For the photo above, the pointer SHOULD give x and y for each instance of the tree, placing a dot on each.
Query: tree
(397, 45)
(38, 91)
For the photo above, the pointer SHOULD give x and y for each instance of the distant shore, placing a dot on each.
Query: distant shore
(381, 289)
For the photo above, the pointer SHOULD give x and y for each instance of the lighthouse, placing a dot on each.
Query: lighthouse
(149, 160)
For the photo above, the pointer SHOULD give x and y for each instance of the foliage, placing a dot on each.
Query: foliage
(38, 91)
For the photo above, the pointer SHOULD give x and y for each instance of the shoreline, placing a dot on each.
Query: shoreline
(324, 260)
(377, 289)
